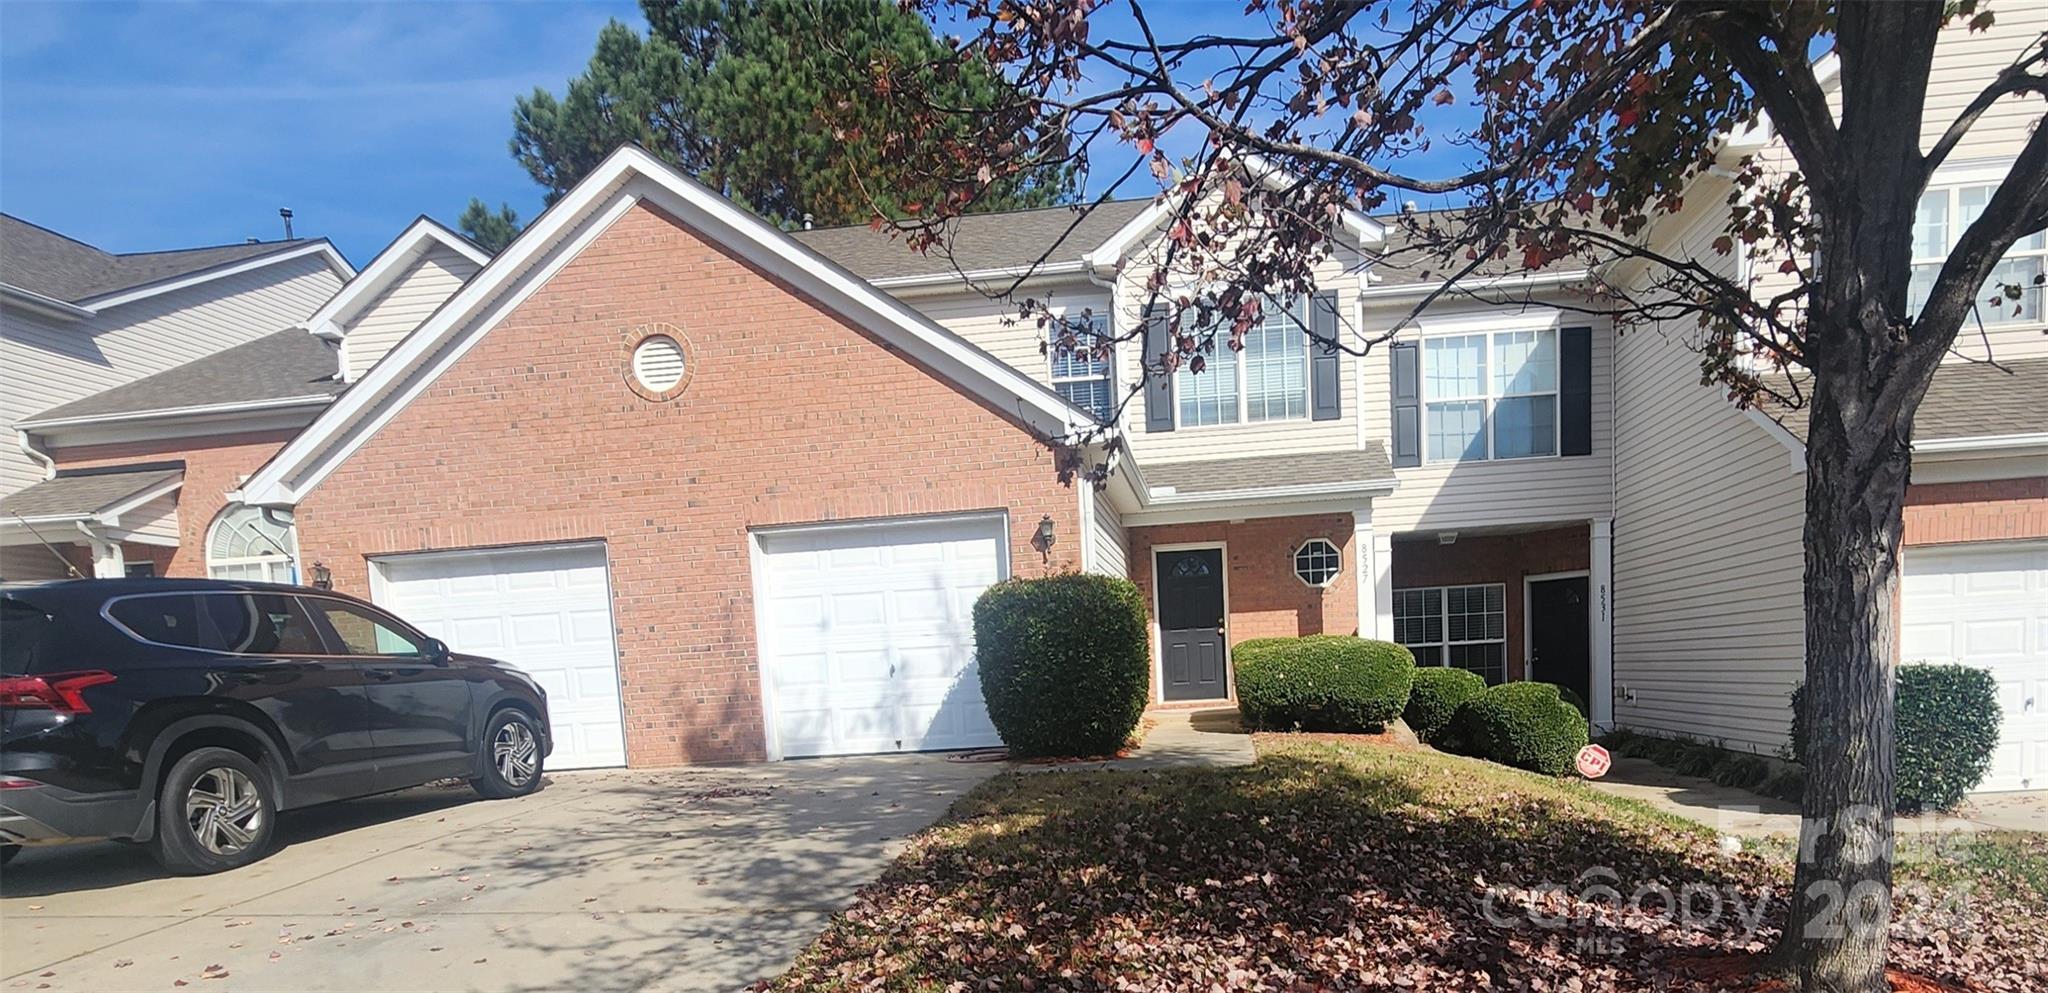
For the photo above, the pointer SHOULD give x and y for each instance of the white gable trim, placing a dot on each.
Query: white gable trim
(320, 248)
(1362, 229)
(397, 258)
(629, 177)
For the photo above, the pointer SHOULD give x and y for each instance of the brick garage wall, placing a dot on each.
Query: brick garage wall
(1989, 510)
(1503, 559)
(790, 416)
(1265, 599)
(213, 467)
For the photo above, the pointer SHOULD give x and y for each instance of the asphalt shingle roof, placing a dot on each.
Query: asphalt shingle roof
(85, 492)
(276, 366)
(1366, 465)
(1969, 400)
(979, 241)
(42, 261)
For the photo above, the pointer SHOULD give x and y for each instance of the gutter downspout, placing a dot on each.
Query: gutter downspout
(26, 442)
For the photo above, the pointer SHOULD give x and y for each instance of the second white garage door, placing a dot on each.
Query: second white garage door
(868, 635)
(545, 609)
(1987, 605)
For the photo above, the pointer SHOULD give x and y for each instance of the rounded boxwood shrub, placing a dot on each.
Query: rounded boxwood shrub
(1946, 727)
(1438, 692)
(1323, 682)
(1065, 663)
(1527, 725)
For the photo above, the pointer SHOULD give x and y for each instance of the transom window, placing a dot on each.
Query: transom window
(1317, 562)
(1084, 375)
(244, 544)
(1945, 213)
(1266, 381)
(1462, 626)
(1490, 395)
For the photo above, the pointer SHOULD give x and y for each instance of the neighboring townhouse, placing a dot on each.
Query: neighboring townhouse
(75, 321)
(730, 492)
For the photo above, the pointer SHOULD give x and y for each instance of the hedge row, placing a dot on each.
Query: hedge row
(1321, 683)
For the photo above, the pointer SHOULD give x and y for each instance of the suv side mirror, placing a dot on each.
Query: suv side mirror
(436, 651)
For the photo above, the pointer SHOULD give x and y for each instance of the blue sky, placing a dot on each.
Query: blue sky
(161, 125)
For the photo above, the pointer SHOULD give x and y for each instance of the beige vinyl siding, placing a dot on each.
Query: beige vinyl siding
(1436, 496)
(156, 519)
(1965, 62)
(45, 362)
(1112, 548)
(30, 561)
(994, 327)
(403, 306)
(1708, 626)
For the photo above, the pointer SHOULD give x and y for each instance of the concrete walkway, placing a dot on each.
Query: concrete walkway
(1179, 739)
(688, 879)
(1745, 814)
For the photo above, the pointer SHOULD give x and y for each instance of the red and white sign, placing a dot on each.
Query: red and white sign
(1594, 761)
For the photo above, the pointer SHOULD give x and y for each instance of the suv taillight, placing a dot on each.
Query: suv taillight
(63, 692)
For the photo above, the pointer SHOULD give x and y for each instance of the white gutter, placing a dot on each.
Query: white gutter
(1076, 267)
(1469, 287)
(1167, 499)
(27, 444)
(1983, 443)
(202, 410)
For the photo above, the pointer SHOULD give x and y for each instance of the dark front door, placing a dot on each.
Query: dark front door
(1559, 645)
(1191, 624)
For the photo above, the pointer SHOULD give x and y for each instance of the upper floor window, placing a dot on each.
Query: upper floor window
(1266, 381)
(1945, 213)
(1084, 375)
(1490, 396)
(244, 544)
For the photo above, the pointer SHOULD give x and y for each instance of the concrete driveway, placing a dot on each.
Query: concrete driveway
(698, 879)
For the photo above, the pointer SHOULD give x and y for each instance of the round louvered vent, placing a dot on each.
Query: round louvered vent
(658, 363)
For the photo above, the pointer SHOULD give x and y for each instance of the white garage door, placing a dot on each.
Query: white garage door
(546, 610)
(868, 635)
(1987, 605)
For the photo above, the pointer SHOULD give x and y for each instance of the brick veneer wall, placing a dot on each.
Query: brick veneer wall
(791, 416)
(1503, 559)
(1265, 598)
(213, 467)
(1987, 510)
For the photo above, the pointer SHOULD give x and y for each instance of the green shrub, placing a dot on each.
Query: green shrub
(1065, 663)
(1571, 696)
(1323, 682)
(1527, 725)
(1946, 729)
(1434, 701)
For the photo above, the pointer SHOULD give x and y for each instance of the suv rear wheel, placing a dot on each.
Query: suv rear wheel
(512, 757)
(214, 814)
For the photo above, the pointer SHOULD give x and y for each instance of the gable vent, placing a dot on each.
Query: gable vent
(658, 363)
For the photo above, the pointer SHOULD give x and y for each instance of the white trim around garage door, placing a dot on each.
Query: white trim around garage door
(756, 556)
(1159, 639)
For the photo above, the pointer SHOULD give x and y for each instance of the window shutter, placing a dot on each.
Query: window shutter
(1575, 391)
(1406, 380)
(1326, 360)
(1158, 386)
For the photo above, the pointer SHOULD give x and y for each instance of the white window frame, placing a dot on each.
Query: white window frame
(278, 568)
(1098, 320)
(1224, 352)
(1953, 183)
(1489, 399)
(1336, 553)
(1444, 643)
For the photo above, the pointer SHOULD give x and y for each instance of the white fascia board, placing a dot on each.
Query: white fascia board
(1362, 229)
(419, 237)
(1205, 511)
(628, 177)
(320, 248)
(1981, 443)
(47, 305)
(110, 514)
(1795, 449)
(1365, 488)
(1075, 267)
(167, 413)
(1471, 287)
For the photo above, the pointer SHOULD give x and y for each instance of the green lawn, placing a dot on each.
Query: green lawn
(1345, 866)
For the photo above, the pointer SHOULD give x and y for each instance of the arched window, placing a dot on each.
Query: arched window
(244, 544)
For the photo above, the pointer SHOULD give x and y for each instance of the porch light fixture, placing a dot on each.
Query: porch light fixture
(323, 578)
(1042, 539)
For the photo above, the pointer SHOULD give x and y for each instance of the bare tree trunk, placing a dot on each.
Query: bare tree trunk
(1857, 469)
